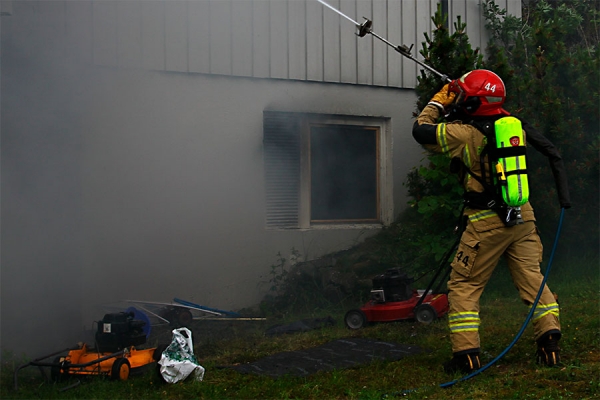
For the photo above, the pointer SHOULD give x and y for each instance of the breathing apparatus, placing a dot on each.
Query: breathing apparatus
(479, 96)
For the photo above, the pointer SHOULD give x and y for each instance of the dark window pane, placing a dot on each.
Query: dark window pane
(343, 163)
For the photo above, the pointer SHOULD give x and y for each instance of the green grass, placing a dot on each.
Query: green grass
(515, 376)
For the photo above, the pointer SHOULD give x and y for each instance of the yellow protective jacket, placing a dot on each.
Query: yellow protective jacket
(456, 139)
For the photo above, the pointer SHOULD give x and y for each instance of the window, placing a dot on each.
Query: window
(343, 173)
(326, 171)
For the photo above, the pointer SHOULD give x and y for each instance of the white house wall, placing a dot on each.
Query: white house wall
(178, 206)
(132, 156)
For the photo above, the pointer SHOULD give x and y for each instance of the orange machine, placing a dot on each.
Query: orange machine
(115, 354)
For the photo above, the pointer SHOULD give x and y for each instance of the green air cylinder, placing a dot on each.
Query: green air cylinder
(511, 167)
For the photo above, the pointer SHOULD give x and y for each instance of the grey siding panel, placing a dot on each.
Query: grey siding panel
(129, 26)
(176, 36)
(241, 13)
(297, 39)
(199, 36)
(348, 42)
(456, 8)
(153, 35)
(394, 61)
(409, 37)
(471, 12)
(260, 35)
(424, 11)
(314, 41)
(380, 49)
(365, 46)
(278, 11)
(474, 26)
(514, 7)
(220, 37)
(105, 33)
(331, 44)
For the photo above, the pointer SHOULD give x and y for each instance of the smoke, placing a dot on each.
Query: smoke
(122, 183)
(41, 196)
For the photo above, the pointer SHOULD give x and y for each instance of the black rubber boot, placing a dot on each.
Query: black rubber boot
(548, 352)
(464, 361)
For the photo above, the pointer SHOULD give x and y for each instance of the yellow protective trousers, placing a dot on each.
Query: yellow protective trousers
(475, 260)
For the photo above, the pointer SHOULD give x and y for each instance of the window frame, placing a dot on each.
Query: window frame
(382, 126)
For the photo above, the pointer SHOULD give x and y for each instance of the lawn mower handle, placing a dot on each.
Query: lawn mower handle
(37, 362)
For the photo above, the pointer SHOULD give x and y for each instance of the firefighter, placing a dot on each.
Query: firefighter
(491, 231)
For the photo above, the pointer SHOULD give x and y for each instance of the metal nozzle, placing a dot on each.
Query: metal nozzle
(365, 28)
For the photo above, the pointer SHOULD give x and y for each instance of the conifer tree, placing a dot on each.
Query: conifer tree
(437, 193)
(450, 54)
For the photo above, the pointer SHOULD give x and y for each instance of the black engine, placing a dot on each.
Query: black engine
(393, 285)
(118, 331)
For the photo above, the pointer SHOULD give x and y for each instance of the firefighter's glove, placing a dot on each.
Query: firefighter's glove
(443, 99)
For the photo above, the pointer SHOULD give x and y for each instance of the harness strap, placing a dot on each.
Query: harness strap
(481, 201)
(515, 172)
(504, 152)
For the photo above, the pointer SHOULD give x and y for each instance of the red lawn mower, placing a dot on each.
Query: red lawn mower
(394, 299)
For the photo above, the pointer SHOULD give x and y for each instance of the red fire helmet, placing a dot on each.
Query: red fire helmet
(481, 92)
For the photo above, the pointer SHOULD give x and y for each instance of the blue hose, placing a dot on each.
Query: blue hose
(518, 336)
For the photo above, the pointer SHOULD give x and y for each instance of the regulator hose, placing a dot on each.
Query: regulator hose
(531, 311)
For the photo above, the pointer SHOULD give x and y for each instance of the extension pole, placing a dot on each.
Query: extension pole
(366, 28)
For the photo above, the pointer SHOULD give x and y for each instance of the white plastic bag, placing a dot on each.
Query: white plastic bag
(177, 362)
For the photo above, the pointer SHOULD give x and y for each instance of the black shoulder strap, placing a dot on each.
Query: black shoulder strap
(490, 197)
(486, 127)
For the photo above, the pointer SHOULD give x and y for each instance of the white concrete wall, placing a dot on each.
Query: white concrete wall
(173, 181)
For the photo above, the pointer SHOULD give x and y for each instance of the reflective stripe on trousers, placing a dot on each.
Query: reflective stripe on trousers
(467, 321)
(541, 310)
